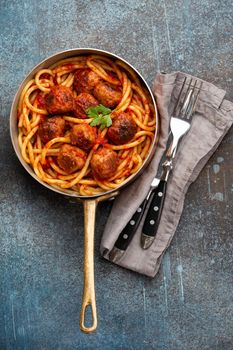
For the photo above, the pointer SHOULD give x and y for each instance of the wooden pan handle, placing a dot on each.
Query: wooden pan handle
(89, 283)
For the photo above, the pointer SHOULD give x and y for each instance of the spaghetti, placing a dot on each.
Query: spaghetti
(42, 156)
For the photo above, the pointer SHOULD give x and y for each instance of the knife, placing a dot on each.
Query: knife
(158, 186)
(154, 212)
(128, 232)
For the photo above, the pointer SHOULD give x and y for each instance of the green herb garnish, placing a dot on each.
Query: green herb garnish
(101, 116)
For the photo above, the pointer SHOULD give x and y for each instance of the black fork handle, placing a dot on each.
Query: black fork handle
(153, 215)
(128, 232)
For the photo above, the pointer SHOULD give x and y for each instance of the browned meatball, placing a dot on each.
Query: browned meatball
(71, 158)
(59, 100)
(107, 94)
(51, 128)
(122, 130)
(82, 102)
(104, 163)
(85, 80)
(83, 135)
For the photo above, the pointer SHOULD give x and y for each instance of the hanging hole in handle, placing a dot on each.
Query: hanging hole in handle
(88, 317)
(88, 320)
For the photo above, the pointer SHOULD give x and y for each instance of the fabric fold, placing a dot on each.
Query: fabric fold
(212, 119)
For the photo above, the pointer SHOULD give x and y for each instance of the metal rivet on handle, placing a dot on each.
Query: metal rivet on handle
(156, 208)
(125, 236)
(132, 222)
(152, 222)
(160, 194)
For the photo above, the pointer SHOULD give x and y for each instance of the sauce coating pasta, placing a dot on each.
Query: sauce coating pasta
(56, 133)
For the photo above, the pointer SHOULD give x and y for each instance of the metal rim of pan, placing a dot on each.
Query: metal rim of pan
(44, 64)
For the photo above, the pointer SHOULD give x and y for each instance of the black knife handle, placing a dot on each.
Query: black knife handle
(128, 232)
(154, 212)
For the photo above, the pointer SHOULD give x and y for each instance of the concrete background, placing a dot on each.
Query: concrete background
(189, 305)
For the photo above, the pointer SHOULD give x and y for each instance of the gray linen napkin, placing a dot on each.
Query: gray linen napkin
(212, 119)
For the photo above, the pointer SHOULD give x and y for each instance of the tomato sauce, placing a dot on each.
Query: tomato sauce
(40, 101)
(47, 163)
(42, 118)
(127, 172)
(68, 66)
(101, 141)
(45, 76)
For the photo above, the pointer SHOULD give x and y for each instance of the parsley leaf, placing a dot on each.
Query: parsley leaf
(101, 116)
(96, 121)
(108, 120)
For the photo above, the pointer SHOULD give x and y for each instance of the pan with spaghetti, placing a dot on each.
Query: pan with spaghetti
(84, 123)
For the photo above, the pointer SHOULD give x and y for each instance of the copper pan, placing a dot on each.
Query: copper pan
(89, 203)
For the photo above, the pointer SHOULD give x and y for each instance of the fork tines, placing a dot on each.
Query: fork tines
(187, 98)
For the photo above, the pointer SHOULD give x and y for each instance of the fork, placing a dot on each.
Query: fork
(180, 123)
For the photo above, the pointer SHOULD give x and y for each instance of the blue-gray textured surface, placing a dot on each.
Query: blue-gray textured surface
(189, 305)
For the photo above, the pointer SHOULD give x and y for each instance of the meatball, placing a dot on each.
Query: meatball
(51, 128)
(85, 80)
(107, 94)
(122, 130)
(71, 158)
(104, 163)
(82, 102)
(83, 135)
(59, 100)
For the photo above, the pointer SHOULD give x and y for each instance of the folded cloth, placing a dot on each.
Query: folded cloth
(212, 119)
